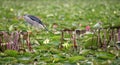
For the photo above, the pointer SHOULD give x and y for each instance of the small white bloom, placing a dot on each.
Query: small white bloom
(11, 9)
(65, 45)
(93, 10)
(46, 41)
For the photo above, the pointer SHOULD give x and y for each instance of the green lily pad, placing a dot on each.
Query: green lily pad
(11, 53)
(9, 59)
(105, 55)
(76, 58)
(86, 52)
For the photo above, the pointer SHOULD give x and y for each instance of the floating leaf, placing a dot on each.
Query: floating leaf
(9, 59)
(86, 52)
(76, 58)
(12, 53)
(105, 55)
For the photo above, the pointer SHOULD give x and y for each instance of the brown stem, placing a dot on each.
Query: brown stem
(99, 37)
(74, 40)
(119, 34)
(70, 32)
(62, 39)
(28, 42)
(104, 42)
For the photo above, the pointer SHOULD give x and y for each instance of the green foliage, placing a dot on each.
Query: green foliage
(105, 55)
(11, 53)
(8, 60)
(116, 62)
(87, 52)
(2, 54)
(27, 54)
(76, 59)
(89, 41)
(24, 60)
(67, 14)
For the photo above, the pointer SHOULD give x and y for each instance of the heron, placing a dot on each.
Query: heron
(34, 21)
